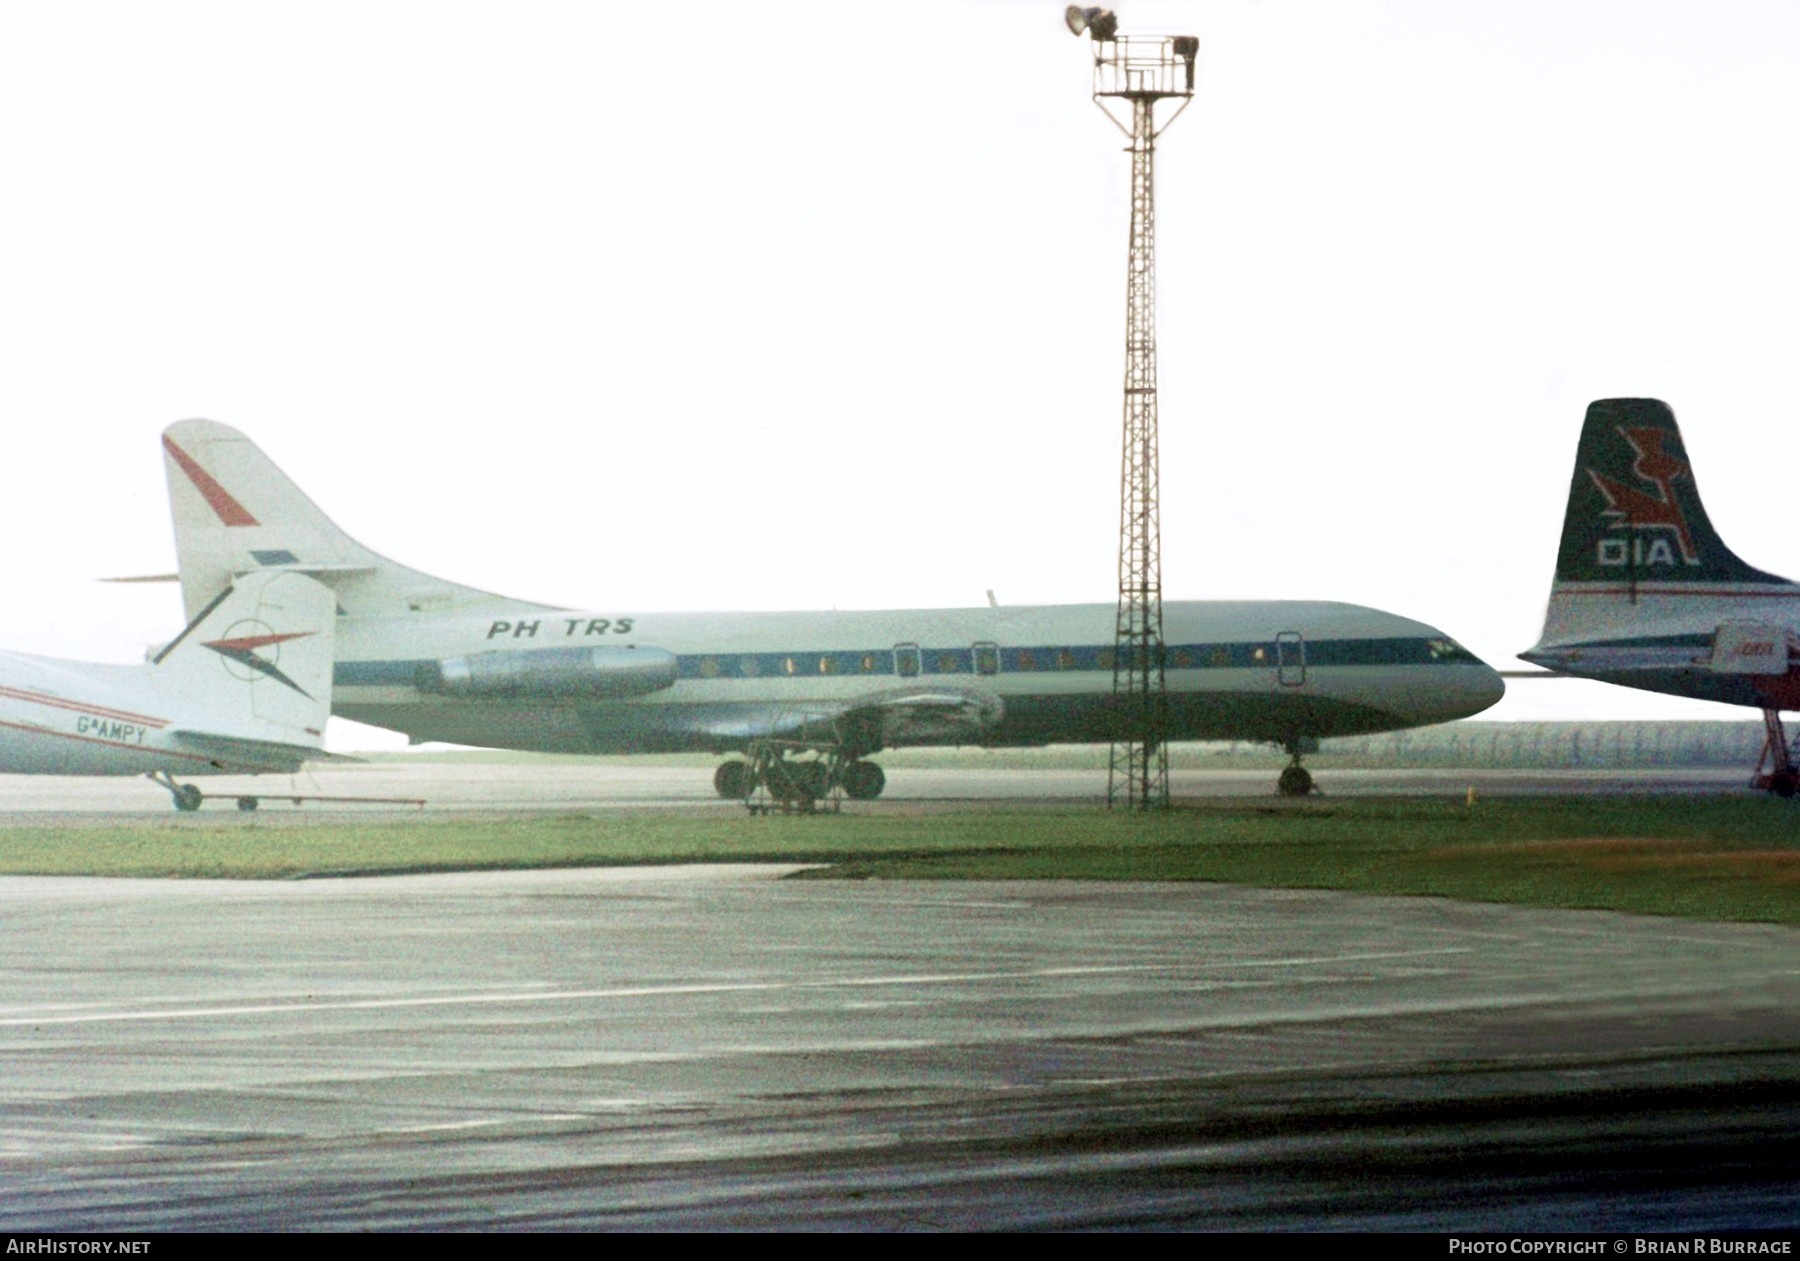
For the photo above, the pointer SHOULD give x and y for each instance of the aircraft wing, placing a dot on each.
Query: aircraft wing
(888, 719)
(930, 714)
(256, 755)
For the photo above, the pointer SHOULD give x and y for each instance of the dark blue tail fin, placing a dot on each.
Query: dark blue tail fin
(1634, 513)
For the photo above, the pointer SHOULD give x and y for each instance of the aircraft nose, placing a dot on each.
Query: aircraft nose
(1482, 689)
(1475, 687)
(1462, 685)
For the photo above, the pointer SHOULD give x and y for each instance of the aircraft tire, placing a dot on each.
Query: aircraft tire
(1295, 781)
(1784, 785)
(247, 804)
(732, 780)
(188, 797)
(863, 781)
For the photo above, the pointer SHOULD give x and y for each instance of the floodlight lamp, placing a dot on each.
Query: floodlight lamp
(1102, 24)
(1187, 47)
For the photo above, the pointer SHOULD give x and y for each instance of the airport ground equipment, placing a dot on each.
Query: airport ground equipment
(190, 797)
(1136, 74)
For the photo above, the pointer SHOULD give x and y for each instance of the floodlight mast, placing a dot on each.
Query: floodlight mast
(1143, 72)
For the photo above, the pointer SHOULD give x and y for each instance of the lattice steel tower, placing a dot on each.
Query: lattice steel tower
(1142, 72)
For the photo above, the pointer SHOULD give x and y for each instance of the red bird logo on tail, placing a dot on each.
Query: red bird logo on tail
(1637, 510)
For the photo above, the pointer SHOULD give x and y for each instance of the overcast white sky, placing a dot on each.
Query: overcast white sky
(820, 305)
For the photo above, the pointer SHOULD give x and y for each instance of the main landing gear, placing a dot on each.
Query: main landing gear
(1296, 780)
(1782, 778)
(863, 781)
(778, 775)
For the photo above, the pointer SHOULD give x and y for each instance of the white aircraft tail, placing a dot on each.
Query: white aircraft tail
(254, 668)
(236, 513)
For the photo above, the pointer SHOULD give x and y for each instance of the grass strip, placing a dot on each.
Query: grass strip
(1703, 857)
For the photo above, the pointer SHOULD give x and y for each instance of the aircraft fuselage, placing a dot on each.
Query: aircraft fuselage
(1668, 643)
(75, 718)
(1248, 670)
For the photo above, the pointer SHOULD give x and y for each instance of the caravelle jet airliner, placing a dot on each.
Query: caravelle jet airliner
(246, 688)
(1647, 595)
(440, 661)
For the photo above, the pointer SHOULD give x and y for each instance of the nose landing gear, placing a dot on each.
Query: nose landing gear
(1296, 780)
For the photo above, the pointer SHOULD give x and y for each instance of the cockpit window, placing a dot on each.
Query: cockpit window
(1450, 650)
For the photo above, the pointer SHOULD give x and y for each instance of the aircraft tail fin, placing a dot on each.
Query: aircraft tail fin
(255, 667)
(236, 513)
(1635, 528)
(1634, 511)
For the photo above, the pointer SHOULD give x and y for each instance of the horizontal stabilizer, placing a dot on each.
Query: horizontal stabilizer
(1750, 648)
(324, 573)
(261, 755)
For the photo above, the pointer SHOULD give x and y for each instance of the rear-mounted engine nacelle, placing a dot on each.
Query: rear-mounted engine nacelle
(552, 672)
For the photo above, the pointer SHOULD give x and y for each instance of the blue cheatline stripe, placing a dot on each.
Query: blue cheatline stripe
(964, 660)
(1699, 640)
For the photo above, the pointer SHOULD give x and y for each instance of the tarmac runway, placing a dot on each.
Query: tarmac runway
(389, 787)
(719, 1048)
